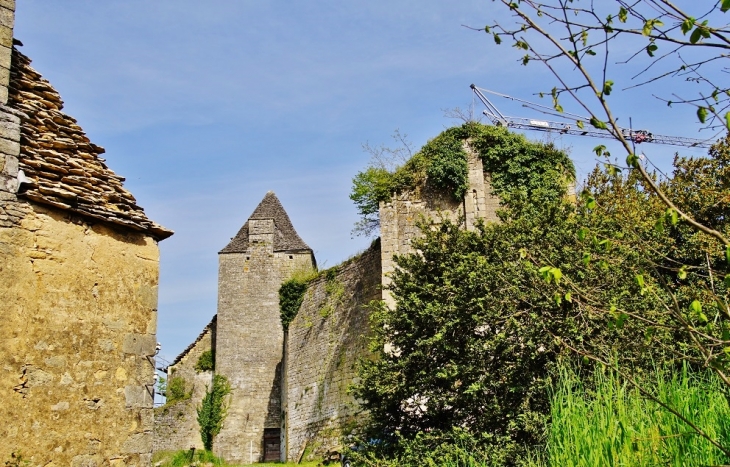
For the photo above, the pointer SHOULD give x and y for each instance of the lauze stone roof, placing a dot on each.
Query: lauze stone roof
(285, 237)
(62, 167)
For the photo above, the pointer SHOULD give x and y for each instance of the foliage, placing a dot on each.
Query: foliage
(206, 361)
(16, 460)
(585, 44)
(481, 316)
(609, 422)
(162, 385)
(202, 457)
(291, 295)
(186, 458)
(456, 448)
(212, 410)
(520, 169)
(176, 390)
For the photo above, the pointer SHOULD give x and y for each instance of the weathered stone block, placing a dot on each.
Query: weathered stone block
(139, 344)
(138, 397)
(9, 147)
(6, 36)
(138, 443)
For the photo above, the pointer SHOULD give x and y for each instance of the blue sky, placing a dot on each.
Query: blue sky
(205, 106)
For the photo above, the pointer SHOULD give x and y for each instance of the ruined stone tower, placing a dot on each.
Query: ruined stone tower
(250, 340)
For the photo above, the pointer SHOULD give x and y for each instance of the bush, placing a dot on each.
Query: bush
(176, 390)
(206, 361)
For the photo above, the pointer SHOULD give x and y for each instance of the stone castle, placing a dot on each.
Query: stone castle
(290, 396)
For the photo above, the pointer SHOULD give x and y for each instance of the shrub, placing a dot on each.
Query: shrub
(206, 361)
(176, 390)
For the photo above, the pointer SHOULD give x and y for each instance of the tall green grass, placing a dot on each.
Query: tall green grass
(612, 424)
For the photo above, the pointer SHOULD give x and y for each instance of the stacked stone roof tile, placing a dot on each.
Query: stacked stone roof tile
(61, 165)
(285, 237)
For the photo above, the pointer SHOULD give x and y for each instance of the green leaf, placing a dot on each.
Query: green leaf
(623, 14)
(497, 39)
(607, 86)
(727, 121)
(696, 35)
(687, 25)
(590, 52)
(487, 29)
(599, 150)
(727, 281)
(727, 254)
(632, 160)
(659, 225)
(523, 253)
(557, 274)
(525, 60)
(640, 280)
(584, 37)
(568, 297)
(702, 114)
(648, 26)
(651, 48)
(672, 216)
(696, 306)
(582, 232)
(682, 274)
(586, 258)
(591, 202)
(580, 123)
(598, 124)
(725, 6)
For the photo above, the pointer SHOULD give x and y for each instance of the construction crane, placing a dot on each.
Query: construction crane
(574, 128)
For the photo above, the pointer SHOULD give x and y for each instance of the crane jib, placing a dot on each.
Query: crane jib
(584, 128)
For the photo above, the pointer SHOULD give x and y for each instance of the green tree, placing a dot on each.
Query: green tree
(481, 316)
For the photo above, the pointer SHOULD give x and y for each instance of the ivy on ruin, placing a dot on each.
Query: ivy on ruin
(520, 170)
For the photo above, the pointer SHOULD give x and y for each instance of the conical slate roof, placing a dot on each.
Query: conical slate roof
(285, 237)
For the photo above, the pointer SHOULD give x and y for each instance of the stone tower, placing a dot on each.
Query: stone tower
(252, 267)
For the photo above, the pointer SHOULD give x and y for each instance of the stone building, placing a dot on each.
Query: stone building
(290, 398)
(79, 267)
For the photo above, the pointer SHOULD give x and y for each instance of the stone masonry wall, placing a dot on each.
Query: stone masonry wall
(11, 211)
(250, 341)
(176, 426)
(79, 303)
(398, 218)
(324, 341)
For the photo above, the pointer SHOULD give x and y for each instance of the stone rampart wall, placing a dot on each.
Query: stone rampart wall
(176, 425)
(323, 344)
